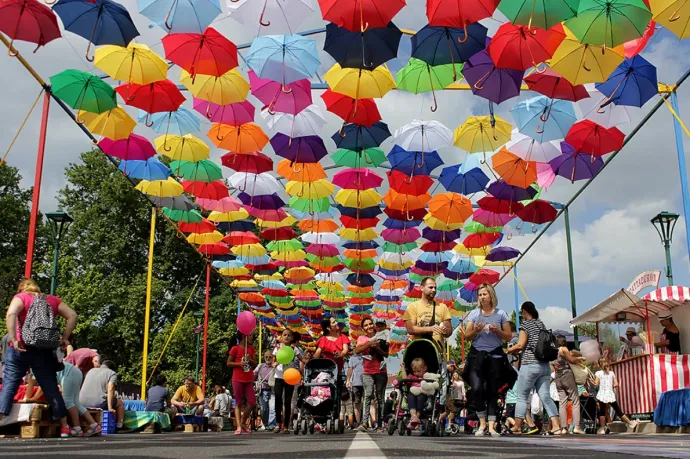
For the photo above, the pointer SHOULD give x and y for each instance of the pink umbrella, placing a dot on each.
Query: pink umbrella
(323, 250)
(227, 204)
(357, 179)
(487, 218)
(231, 114)
(293, 264)
(400, 236)
(133, 147)
(269, 215)
(545, 175)
(291, 98)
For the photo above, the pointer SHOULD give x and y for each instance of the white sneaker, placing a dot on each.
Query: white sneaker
(479, 433)
(633, 425)
(261, 429)
(601, 431)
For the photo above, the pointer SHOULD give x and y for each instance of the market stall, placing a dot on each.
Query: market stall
(644, 377)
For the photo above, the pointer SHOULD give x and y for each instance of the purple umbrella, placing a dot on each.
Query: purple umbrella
(440, 236)
(456, 276)
(489, 82)
(502, 254)
(400, 237)
(501, 190)
(574, 165)
(441, 266)
(309, 149)
(232, 114)
(263, 201)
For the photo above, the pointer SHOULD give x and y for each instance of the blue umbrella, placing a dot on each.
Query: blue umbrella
(366, 212)
(151, 169)
(394, 272)
(470, 296)
(411, 163)
(239, 225)
(633, 83)
(501, 190)
(435, 257)
(180, 16)
(401, 225)
(257, 260)
(356, 137)
(274, 284)
(448, 45)
(283, 58)
(362, 50)
(317, 216)
(544, 119)
(179, 122)
(361, 245)
(472, 181)
(463, 266)
(227, 264)
(102, 22)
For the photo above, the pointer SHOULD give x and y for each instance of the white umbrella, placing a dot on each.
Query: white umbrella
(530, 150)
(423, 136)
(609, 116)
(396, 257)
(272, 17)
(254, 184)
(320, 238)
(307, 122)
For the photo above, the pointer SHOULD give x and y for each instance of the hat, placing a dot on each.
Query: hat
(665, 315)
(631, 330)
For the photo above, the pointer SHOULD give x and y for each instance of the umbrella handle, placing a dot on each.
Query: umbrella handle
(540, 129)
(593, 159)
(342, 133)
(480, 81)
(584, 61)
(464, 29)
(543, 69)
(433, 93)
(167, 17)
(146, 121)
(50, 2)
(263, 11)
(11, 50)
(218, 137)
(285, 91)
(366, 155)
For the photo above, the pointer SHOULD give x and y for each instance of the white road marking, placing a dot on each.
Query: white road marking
(364, 447)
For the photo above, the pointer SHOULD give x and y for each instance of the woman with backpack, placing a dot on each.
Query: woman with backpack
(31, 324)
(535, 372)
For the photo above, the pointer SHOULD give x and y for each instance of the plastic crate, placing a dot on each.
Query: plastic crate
(108, 424)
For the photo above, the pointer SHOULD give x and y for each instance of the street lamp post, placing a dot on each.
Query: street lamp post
(59, 222)
(664, 223)
(198, 330)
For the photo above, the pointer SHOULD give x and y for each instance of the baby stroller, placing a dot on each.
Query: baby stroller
(318, 399)
(428, 351)
(588, 408)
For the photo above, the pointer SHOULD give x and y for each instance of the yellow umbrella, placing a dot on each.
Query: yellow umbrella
(439, 225)
(134, 64)
(229, 88)
(579, 63)
(243, 283)
(233, 272)
(182, 148)
(358, 198)
(205, 238)
(289, 255)
(359, 83)
(477, 252)
(394, 266)
(267, 277)
(160, 188)
(287, 221)
(353, 234)
(314, 190)
(218, 217)
(249, 250)
(476, 135)
(330, 286)
(672, 14)
(115, 124)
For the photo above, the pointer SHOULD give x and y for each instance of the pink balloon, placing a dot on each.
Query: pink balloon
(246, 322)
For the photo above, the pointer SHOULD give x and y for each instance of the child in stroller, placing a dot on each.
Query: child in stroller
(318, 399)
(419, 382)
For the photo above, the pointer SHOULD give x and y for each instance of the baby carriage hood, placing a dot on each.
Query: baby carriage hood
(425, 349)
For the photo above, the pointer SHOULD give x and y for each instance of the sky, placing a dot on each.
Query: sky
(612, 237)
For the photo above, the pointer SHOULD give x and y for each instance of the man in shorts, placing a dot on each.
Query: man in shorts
(355, 384)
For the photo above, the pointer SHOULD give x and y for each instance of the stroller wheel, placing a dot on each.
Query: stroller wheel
(341, 426)
(409, 432)
(295, 427)
(391, 427)
(304, 426)
(401, 427)
(329, 426)
(311, 428)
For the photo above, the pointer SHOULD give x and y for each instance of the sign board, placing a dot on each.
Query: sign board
(643, 280)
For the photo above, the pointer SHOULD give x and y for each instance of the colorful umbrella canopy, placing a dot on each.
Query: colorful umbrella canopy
(482, 133)
(357, 138)
(229, 204)
(114, 124)
(245, 138)
(530, 150)
(254, 184)
(459, 13)
(159, 96)
(234, 114)
(672, 14)
(229, 88)
(358, 179)
(309, 149)
(360, 83)
(360, 15)
(413, 162)
(519, 47)
(472, 181)
(289, 98)
(274, 17)
(404, 184)
(418, 77)
(83, 91)
(134, 64)
(544, 119)
(182, 148)
(314, 190)
(255, 163)
(204, 170)
(447, 45)
(538, 13)
(423, 136)
(366, 50)
(609, 22)
(308, 121)
(180, 16)
(575, 166)
(357, 111)
(590, 138)
(283, 58)
(160, 188)
(211, 190)
(371, 157)
(150, 169)
(490, 82)
(632, 84)
(28, 20)
(450, 207)
(358, 199)
(554, 86)
(207, 53)
(513, 169)
(179, 122)
(132, 147)
(537, 212)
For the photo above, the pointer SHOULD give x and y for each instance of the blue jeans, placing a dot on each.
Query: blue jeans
(43, 364)
(268, 416)
(536, 376)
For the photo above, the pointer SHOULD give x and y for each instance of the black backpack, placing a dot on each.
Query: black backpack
(40, 330)
(546, 349)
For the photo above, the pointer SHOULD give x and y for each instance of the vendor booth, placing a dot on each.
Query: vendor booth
(644, 377)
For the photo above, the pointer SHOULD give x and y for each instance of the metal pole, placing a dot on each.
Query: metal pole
(53, 277)
(571, 272)
(37, 185)
(517, 299)
(147, 315)
(683, 176)
(203, 364)
(669, 271)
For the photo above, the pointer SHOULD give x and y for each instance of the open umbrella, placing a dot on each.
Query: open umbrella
(537, 212)
(423, 136)
(283, 58)
(290, 98)
(83, 91)
(304, 172)
(609, 23)
(357, 111)
(632, 84)
(310, 190)
(159, 96)
(207, 53)
(472, 181)
(357, 138)
(180, 16)
(114, 124)
(358, 199)
(450, 207)
(608, 116)
(368, 49)
(229, 88)
(371, 157)
(360, 83)
(448, 45)
(519, 47)
(132, 147)
(309, 149)
(544, 119)
(273, 16)
(412, 163)
(481, 134)
(134, 64)
(254, 184)
(478, 240)
(538, 13)
(672, 14)
(590, 138)
(574, 165)
(418, 77)
(360, 15)
(361, 179)
(235, 114)
(182, 148)
(204, 170)
(553, 85)
(404, 184)
(489, 81)
(246, 138)
(150, 169)
(229, 204)
(210, 190)
(160, 188)
(459, 13)
(501, 190)
(513, 169)
(28, 20)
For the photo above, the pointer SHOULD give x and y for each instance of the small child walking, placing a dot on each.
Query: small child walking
(606, 396)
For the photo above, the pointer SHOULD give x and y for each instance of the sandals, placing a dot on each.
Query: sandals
(515, 431)
(556, 432)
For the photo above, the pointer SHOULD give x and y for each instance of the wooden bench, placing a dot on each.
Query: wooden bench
(39, 425)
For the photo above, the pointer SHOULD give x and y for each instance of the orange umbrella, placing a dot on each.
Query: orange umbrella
(393, 284)
(356, 289)
(245, 138)
(318, 226)
(306, 172)
(450, 207)
(359, 254)
(513, 169)
(299, 273)
(405, 202)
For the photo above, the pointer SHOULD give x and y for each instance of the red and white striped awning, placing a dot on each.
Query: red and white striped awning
(673, 295)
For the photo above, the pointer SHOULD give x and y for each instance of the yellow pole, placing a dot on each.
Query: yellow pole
(147, 317)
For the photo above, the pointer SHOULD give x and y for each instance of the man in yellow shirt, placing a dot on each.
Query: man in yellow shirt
(189, 399)
(418, 316)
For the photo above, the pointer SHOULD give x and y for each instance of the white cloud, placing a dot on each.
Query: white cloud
(556, 317)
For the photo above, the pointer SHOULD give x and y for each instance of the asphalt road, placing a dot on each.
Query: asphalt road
(349, 445)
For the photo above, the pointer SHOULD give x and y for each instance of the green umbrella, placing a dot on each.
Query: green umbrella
(284, 246)
(362, 295)
(395, 248)
(418, 76)
(371, 157)
(323, 261)
(538, 13)
(307, 303)
(449, 285)
(365, 264)
(83, 91)
(536, 196)
(204, 170)
(309, 205)
(609, 22)
(191, 216)
(476, 227)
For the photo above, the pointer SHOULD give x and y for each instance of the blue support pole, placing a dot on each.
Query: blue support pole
(517, 298)
(239, 307)
(681, 168)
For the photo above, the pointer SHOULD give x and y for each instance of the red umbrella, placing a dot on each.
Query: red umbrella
(161, 96)
(459, 13)
(323, 250)
(359, 15)
(254, 163)
(233, 114)
(218, 248)
(358, 223)
(537, 212)
(477, 240)
(241, 238)
(484, 276)
(358, 111)
(593, 139)
(518, 47)
(28, 20)
(404, 184)
(134, 147)
(278, 234)
(553, 85)
(269, 215)
(414, 214)
(204, 226)
(208, 53)
(437, 246)
(499, 206)
(213, 190)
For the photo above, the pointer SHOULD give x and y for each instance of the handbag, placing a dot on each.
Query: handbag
(581, 373)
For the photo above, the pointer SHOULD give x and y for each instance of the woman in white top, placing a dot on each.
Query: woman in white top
(607, 383)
